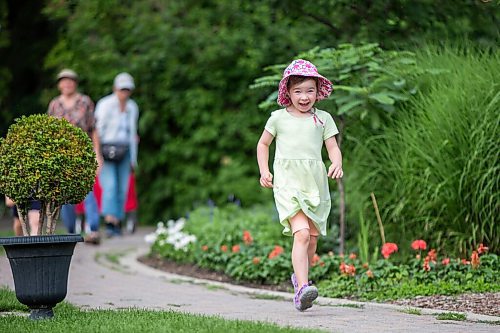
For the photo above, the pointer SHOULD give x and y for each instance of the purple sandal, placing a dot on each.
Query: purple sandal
(305, 297)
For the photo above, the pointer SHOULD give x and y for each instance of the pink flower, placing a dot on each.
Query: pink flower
(275, 252)
(445, 261)
(432, 255)
(247, 237)
(482, 249)
(426, 265)
(388, 249)
(352, 256)
(474, 259)
(419, 245)
(347, 269)
(315, 259)
(235, 248)
(223, 248)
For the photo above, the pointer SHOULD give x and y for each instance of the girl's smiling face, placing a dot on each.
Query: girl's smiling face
(303, 95)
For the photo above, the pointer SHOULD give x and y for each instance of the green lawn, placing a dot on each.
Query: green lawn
(70, 319)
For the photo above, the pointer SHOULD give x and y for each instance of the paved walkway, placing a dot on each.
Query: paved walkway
(108, 276)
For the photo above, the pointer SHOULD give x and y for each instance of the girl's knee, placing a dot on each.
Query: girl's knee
(302, 236)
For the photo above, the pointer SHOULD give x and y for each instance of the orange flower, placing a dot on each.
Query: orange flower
(465, 262)
(426, 265)
(236, 248)
(247, 237)
(370, 274)
(223, 248)
(204, 248)
(256, 260)
(432, 255)
(322, 263)
(482, 249)
(347, 269)
(315, 260)
(388, 249)
(365, 265)
(275, 252)
(352, 256)
(445, 261)
(474, 259)
(419, 244)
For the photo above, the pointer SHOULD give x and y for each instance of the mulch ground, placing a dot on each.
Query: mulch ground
(202, 273)
(479, 303)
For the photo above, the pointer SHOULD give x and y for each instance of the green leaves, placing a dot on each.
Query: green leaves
(47, 159)
(368, 81)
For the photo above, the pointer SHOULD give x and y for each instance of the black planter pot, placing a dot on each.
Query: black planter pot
(40, 266)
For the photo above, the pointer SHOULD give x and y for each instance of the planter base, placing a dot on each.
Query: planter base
(37, 314)
(40, 267)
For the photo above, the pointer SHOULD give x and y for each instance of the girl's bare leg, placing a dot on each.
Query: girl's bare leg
(301, 240)
(18, 229)
(311, 250)
(33, 217)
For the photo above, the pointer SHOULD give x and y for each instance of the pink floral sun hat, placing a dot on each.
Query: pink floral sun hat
(303, 68)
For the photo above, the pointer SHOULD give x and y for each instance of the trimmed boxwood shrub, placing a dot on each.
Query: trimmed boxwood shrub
(47, 159)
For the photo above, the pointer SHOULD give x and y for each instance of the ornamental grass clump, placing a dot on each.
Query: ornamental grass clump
(46, 159)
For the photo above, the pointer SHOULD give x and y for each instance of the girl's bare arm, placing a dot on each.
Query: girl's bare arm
(335, 156)
(266, 178)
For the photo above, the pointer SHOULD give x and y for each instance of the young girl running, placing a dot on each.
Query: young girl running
(301, 181)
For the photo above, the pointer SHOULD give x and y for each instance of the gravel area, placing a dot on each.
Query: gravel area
(484, 303)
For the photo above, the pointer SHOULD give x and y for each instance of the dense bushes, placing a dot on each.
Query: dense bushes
(435, 168)
(246, 245)
(194, 60)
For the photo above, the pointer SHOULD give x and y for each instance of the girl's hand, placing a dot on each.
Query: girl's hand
(266, 180)
(335, 171)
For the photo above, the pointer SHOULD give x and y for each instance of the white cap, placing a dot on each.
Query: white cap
(67, 74)
(124, 81)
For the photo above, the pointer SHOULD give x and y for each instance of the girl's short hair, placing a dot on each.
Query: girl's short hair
(297, 79)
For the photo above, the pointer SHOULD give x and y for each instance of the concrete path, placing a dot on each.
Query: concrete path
(109, 277)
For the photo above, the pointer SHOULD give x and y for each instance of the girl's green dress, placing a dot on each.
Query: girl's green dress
(300, 177)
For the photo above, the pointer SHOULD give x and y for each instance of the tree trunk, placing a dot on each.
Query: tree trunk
(340, 183)
(41, 219)
(52, 215)
(23, 217)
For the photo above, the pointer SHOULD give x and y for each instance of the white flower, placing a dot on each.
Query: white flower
(172, 235)
(150, 238)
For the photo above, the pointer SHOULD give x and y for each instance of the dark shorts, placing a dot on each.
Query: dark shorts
(34, 205)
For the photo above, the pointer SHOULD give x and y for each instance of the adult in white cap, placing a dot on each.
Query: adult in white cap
(117, 115)
(78, 109)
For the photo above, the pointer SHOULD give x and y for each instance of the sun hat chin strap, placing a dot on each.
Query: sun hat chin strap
(316, 118)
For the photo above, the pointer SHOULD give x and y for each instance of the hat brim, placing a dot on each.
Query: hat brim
(72, 77)
(325, 88)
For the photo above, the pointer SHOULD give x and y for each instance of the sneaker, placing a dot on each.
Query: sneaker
(92, 239)
(305, 297)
